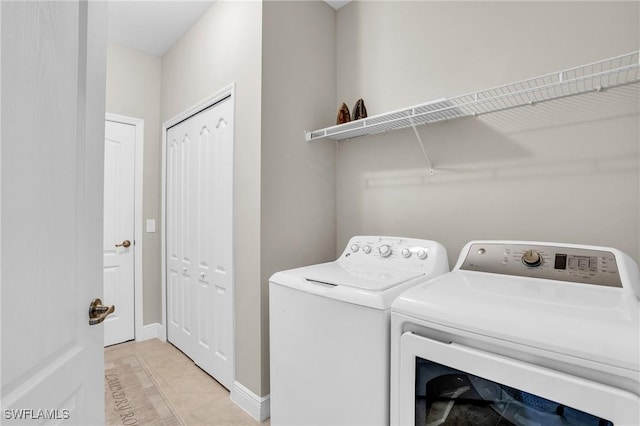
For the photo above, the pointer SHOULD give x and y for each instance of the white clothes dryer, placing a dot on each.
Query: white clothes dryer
(520, 333)
(330, 330)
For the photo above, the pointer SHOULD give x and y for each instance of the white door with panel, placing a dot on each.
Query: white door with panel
(53, 96)
(199, 214)
(119, 182)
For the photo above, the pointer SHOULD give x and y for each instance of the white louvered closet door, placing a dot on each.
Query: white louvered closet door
(199, 185)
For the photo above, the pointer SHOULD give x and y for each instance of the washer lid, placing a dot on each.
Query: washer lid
(354, 275)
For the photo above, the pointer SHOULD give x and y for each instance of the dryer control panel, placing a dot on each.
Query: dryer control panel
(563, 263)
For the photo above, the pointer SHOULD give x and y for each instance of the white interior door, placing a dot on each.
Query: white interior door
(199, 213)
(118, 252)
(53, 94)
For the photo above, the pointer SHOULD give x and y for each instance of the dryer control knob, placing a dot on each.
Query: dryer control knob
(532, 258)
(355, 247)
(366, 249)
(385, 250)
(406, 252)
(422, 254)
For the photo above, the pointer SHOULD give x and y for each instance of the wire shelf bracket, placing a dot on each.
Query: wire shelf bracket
(422, 148)
(594, 77)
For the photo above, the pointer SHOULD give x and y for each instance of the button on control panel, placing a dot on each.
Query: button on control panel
(573, 264)
(385, 250)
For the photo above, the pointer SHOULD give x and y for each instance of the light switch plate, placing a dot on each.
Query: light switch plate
(151, 225)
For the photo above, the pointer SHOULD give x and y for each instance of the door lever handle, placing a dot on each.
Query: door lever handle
(98, 312)
(125, 244)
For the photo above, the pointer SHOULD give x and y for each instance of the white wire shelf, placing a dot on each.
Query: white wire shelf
(608, 73)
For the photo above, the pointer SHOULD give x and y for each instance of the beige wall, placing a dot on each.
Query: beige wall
(133, 89)
(292, 173)
(561, 171)
(298, 212)
(224, 46)
(284, 186)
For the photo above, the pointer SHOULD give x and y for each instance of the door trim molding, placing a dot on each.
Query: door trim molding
(150, 331)
(138, 218)
(225, 92)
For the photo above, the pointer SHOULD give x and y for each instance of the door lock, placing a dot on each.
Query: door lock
(98, 312)
(125, 244)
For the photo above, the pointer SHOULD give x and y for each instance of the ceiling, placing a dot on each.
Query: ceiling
(153, 26)
(336, 4)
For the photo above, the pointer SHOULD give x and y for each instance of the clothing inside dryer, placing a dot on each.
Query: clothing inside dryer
(446, 396)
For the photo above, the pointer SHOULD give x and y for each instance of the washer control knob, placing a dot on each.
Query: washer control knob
(422, 254)
(355, 247)
(406, 252)
(532, 258)
(366, 249)
(385, 250)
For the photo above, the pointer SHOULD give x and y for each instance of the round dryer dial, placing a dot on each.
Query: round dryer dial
(532, 258)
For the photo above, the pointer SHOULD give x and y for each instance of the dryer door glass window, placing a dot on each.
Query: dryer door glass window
(446, 396)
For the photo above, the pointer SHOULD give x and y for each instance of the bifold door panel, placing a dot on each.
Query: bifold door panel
(199, 205)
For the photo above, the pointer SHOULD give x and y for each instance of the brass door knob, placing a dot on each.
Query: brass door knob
(98, 312)
(125, 244)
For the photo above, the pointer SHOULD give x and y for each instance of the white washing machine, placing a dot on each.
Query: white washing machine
(520, 333)
(329, 330)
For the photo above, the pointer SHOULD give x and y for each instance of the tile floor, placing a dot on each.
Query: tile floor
(198, 398)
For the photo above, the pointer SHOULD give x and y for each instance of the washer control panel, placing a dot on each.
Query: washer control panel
(394, 251)
(562, 263)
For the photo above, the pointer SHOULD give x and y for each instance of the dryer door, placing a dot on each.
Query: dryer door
(446, 384)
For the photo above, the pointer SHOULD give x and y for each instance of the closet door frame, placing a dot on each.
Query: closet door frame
(226, 92)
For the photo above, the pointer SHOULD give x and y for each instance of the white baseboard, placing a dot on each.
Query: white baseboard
(258, 407)
(151, 331)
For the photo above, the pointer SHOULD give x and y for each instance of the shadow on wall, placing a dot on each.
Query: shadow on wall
(564, 170)
(549, 170)
(588, 134)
